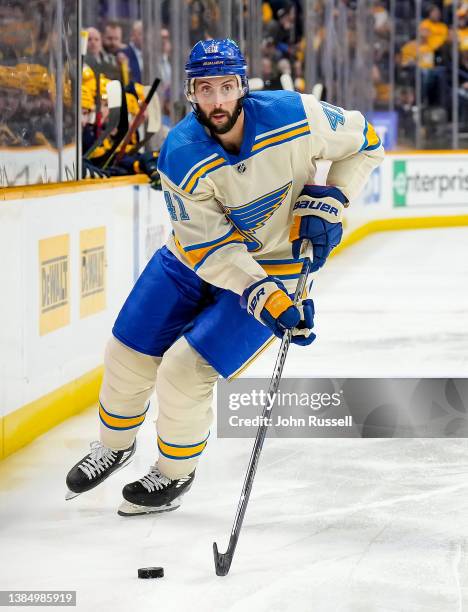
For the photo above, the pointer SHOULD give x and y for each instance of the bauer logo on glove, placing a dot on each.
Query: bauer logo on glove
(317, 217)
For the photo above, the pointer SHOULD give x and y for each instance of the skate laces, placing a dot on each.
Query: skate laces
(98, 459)
(154, 480)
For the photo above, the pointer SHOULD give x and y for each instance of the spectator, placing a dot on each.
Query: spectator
(198, 29)
(409, 51)
(165, 63)
(269, 50)
(381, 19)
(113, 45)
(267, 12)
(96, 59)
(438, 31)
(432, 78)
(112, 38)
(134, 52)
(283, 31)
(10, 115)
(463, 28)
(270, 75)
(299, 81)
(405, 104)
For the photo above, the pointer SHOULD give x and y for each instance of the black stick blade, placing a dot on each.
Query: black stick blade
(222, 561)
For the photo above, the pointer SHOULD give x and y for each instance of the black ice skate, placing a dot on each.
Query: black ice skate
(154, 493)
(95, 467)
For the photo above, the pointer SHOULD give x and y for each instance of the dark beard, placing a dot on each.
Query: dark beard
(221, 129)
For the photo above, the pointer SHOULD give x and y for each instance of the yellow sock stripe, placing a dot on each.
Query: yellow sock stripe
(174, 451)
(120, 422)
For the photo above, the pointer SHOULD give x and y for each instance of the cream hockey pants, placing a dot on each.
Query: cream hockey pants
(184, 383)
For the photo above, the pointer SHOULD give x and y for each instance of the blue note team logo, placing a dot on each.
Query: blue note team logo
(251, 217)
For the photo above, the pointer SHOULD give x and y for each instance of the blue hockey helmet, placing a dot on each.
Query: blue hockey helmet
(215, 58)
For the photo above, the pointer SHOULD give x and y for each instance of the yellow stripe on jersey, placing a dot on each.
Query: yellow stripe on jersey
(275, 139)
(181, 451)
(201, 171)
(372, 138)
(280, 269)
(196, 256)
(295, 227)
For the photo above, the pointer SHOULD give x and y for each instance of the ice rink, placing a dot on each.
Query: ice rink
(332, 526)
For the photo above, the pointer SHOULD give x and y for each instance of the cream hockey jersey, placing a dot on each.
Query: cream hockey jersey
(231, 214)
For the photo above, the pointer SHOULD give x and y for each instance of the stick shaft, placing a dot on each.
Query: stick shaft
(223, 560)
(135, 124)
(271, 396)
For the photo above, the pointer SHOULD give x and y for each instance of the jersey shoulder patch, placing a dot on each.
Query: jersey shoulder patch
(188, 154)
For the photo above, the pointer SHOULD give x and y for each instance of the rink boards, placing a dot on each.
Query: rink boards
(71, 252)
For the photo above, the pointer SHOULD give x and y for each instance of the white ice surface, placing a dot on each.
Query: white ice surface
(332, 526)
(395, 304)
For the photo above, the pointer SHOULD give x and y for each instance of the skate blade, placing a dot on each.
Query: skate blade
(128, 509)
(71, 494)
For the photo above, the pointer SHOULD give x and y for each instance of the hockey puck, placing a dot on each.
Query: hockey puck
(151, 572)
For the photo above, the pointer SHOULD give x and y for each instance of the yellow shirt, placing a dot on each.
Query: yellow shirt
(439, 33)
(463, 39)
(409, 54)
(267, 13)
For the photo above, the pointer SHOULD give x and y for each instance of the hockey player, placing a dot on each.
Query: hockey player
(238, 176)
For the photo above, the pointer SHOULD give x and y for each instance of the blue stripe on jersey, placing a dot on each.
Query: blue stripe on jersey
(287, 276)
(211, 242)
(372, 147)
(279, 261)
(366, 128)
(211, 251)
(366, 146)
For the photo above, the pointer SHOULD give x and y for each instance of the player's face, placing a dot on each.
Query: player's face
(218, 100)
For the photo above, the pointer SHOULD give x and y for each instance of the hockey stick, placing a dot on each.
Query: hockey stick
(137, 121)
(153, 126)
(223, 560)
(114, 95)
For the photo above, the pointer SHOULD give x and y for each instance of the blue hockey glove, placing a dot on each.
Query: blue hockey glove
(317, 217)
(268, 301)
